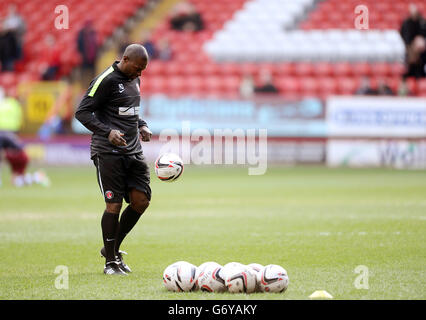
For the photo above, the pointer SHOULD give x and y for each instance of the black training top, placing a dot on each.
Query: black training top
(112, 102)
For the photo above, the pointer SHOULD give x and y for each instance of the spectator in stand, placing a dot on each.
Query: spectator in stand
(8, 49)
(185, 17)
(365, 88)
(413, 33)
(15, 24)
(146, 41)
(123, 42)
(247, 86)
(87, 45)
(160, 50)
(403, 90)
(266, 83)
(164, 51)
(50, 65)
(383, 89)
(12, 29)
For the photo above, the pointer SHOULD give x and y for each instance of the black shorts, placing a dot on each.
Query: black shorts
(118, 174)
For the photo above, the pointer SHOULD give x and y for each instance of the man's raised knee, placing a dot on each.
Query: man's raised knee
(140, 205)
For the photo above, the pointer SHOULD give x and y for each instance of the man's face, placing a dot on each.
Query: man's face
(134, 67)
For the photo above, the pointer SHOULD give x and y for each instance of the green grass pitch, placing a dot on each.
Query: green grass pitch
(318, 223)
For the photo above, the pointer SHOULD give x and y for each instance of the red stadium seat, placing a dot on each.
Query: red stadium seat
(174, 69)
(361, 69)
(285, 69)
(249, 69)
(322, 69)
(412, 85)
(397, 69)
(347, 85)
(154, 84)
(309, 86)
(327, 86)
(209, 69)
(229, 69)
(289, 85)
(341, 69)
(303, 69)
(192, 69)
(155, 68)
(381, 69)
(175, 84)
(231, 84)
(195, 84)
(214, 84)
(421, 87)
(7, 79)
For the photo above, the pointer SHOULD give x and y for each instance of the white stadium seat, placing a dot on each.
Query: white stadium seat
(269, 25)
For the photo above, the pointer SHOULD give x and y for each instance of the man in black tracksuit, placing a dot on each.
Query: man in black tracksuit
(110, 109)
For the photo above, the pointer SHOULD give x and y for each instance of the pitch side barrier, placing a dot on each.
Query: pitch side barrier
(376, 132)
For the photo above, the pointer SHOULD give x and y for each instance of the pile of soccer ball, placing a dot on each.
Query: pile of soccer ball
(233, 277)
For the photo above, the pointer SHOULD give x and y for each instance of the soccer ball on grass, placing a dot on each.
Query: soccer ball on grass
(180, 276)
(272, 278)
(210, 279)
(239, 278)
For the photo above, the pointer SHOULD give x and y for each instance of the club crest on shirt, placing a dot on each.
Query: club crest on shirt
(120, 87)
(109, 194)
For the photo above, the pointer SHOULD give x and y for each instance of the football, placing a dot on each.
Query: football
(210, 279)
(169, 276)
(272, 278)
(168, 167)
(239, 278)
(257, 268)
(180, 276)
(201, 268)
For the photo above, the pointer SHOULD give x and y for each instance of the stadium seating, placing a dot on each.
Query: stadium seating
(40, 16)
(309, 51)
(310, 47)
(383, 15)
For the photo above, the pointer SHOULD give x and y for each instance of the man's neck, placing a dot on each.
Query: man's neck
(120, 66)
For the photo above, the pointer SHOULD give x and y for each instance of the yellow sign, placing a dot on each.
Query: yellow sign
(39, 105)
(40, 100)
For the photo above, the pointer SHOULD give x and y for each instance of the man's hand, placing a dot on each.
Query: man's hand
(116, 138)
(146, 134)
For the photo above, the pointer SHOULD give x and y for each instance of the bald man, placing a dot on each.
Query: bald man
(110, 110)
